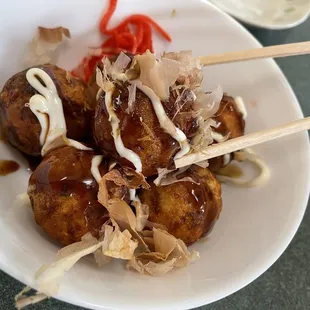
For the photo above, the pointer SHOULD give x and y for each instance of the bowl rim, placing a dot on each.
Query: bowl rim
(12, 271)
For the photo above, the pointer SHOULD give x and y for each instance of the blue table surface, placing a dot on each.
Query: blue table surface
(286, 285)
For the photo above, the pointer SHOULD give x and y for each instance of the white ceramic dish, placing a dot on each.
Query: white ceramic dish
(256, 225)
(274, 14)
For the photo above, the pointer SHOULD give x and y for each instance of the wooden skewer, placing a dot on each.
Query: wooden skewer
(275, 51)
(243, 142)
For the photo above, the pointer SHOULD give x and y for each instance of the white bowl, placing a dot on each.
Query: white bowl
(269, 14)
(255, 226)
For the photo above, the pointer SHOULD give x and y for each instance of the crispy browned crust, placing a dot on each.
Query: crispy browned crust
(21, 127)
(230, 118)
(63, 195)
(231, 122)
(188, 210)
(140, 130)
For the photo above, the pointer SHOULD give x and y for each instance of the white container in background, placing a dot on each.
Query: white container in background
(269, 14)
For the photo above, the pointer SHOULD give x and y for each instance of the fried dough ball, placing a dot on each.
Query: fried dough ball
(63, 194)
(140, 129)
(231, 122)
(22, 128)
(188, 210)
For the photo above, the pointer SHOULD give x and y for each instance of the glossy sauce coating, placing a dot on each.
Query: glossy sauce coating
(63, 194)
(21, 127)
(7, 167)
(230, 122)
(140, 130)
(213, 191)
(187, 209)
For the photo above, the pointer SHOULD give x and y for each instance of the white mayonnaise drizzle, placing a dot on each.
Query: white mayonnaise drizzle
(132, 194)
(241, 107)
(95, 163)
(218, 137)
(259, 180)
(48, 104)
(226, 159)
(119, 145)
(77, 145)
(164, 120)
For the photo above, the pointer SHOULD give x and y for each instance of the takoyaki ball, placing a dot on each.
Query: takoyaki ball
(230, 118)
(92, 86)
(92, 89)
(188, 210)
(179, 108)
(63, 194)
(140, 129)
(22, 128)
(231, 123)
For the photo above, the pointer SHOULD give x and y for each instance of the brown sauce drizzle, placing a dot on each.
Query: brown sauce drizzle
(197, 196)
(66, 173)
(141, 132)
(202, 197)
(196, 193)
(8, 166)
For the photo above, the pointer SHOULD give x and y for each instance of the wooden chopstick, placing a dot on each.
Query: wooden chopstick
(240, 143)
(275, 51)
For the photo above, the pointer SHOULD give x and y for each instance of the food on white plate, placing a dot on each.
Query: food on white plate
(63, 195)
(107, 139)
(188, 206)
(122, 182)
(230, 119)
(152, 129)
(18, 111)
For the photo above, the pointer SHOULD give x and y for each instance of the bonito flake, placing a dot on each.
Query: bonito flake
(44, 47)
